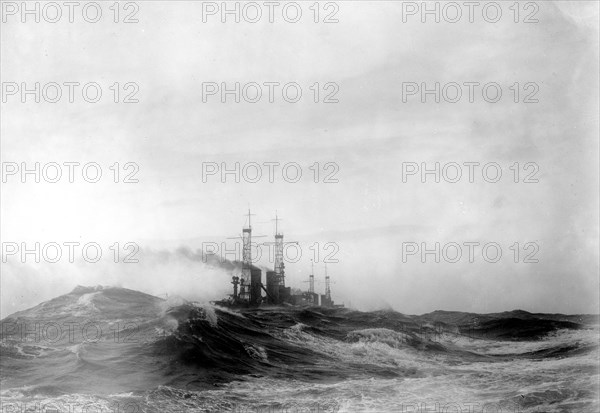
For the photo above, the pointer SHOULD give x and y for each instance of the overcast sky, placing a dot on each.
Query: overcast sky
(368, 134)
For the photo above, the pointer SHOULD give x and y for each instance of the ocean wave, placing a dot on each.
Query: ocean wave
(197, 357)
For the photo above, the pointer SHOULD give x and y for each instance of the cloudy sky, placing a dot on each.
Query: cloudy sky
(370, 213)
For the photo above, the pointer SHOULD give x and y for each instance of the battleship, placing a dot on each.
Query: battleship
(248, 287)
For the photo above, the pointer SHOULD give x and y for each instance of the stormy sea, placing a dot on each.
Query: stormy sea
(108, 349)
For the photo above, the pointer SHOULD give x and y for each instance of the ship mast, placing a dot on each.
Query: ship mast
(279, 266)
(246, 258)
(311, 278)
(327, 285)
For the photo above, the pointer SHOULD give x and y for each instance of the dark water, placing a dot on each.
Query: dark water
(115, 349)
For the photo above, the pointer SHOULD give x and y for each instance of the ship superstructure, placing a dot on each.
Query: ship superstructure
(248, 286)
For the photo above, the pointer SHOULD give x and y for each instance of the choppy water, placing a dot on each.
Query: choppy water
(114, 349)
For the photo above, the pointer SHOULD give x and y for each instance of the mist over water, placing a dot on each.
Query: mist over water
(178, 272)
